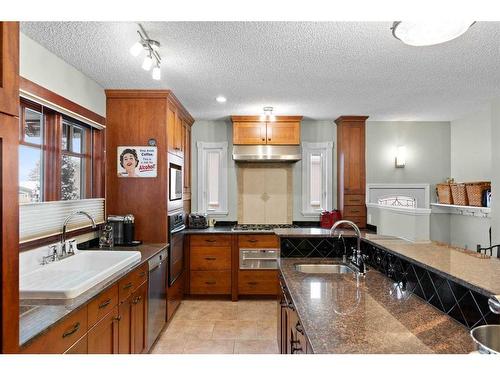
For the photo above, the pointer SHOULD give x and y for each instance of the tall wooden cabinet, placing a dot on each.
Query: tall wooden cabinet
(9, 196)
(351, 174)
(132, 118)
(250, 130)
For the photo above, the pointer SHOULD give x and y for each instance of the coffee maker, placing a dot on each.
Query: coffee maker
(123, 229)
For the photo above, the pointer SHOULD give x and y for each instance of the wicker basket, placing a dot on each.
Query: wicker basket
(459, 194)
(444, 193)
(475, 192)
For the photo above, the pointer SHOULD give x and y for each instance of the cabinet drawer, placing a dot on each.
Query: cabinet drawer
(354, 199)
(132, 281)
(258, 241)
(360, 221)
(220, 240)
(354, 211)
(61, 336)
(210, 258)
(258, 282)
(102, 304)
(210, 282)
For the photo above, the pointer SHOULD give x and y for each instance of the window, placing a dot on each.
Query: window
(30, 153)
(73, 160)
(316, 178)
(54, 155)
(212, 178)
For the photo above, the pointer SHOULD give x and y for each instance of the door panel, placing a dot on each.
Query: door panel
(103, 337)
(249, 133)
(139, 314)
(283, 133)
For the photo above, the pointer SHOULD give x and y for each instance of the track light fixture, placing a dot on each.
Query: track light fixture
(268, 115)
(152, 52)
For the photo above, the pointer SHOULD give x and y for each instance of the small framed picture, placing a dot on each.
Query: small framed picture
(137, 161)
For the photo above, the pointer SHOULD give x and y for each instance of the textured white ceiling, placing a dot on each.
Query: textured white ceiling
(319, 70)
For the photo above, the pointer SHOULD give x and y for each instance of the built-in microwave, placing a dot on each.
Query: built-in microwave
(175, 182)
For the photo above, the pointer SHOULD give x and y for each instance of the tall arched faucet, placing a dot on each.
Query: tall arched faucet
(63, 236)
(357, 258)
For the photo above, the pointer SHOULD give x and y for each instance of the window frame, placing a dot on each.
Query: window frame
(52, 152)
(324, 149)
(204, 148)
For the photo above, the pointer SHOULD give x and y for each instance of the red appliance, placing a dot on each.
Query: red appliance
(328, 218)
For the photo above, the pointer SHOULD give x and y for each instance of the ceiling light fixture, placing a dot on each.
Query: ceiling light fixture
(428, 33)
(156, 73)
(268, 115)
(221, 99)
(151, 48)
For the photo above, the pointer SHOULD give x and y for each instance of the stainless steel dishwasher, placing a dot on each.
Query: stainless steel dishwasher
(157, 295)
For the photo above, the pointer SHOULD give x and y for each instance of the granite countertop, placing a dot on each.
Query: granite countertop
(479, 274)
(343, 314)
(38, 315)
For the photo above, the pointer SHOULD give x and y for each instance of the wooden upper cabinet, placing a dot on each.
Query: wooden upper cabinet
(249, 133)
(283, 133)
(186, 140)
(249, 130)
(9, 68)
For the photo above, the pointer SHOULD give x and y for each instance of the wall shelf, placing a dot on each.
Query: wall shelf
(439, 208)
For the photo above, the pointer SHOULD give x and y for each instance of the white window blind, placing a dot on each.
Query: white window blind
(39, 220)
(212, 177)
(317, 171)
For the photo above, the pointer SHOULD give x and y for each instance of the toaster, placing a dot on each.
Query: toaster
(198, 221)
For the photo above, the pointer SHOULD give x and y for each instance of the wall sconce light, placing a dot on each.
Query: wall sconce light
(400, 157)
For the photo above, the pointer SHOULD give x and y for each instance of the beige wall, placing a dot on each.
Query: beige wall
(51, 72)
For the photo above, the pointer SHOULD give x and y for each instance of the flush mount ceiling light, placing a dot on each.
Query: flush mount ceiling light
(221, 99)
(151, 48)
(428, 33)
(268, 115)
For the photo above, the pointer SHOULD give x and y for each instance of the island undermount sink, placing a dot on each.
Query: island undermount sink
(72, 276)
(324, 268)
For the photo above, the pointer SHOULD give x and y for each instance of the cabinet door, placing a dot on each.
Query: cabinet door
(171, 121)
(103, 337)
(125, 327)
(80, 347)
(249, 133)
(139, 319)
(352, 152)
(9, 68)
(187, 160)
(283, 133)
(179, 146)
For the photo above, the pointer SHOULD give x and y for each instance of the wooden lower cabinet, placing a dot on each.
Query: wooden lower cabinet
(80, 347)
(210, 282)
(102, 326)
(175, 294)
(103, 337)
(132, 326)
(257, 282)
(291, 336)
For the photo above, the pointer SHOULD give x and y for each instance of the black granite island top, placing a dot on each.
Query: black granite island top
(39, 315)
(344, 314)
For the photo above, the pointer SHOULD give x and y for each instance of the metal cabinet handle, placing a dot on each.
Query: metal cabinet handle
(210, 240)
(295, 349)
(117, 318)
(252, 241)
(268, 139)
(210, 282)
(142, 274)
(71, 331)
(252, 283)
(298, 328)
(105, 303)
(263, 139)
(210, 258)
(127, 286)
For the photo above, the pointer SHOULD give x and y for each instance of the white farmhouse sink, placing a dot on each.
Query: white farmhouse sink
(74, 275)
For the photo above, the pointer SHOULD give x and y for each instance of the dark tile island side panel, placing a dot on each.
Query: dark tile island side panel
(466, 306)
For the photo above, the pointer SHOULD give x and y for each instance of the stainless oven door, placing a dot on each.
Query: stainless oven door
(266, 259)
(176, 256)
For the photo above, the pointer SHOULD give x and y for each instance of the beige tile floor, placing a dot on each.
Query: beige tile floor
(221, 327)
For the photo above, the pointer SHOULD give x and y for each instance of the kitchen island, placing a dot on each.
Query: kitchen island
(343, 313)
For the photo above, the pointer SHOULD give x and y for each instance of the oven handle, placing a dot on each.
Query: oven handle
(245, 258)
(178, 230)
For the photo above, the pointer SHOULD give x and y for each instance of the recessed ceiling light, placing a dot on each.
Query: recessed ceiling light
(427, 33)
(221, 99)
